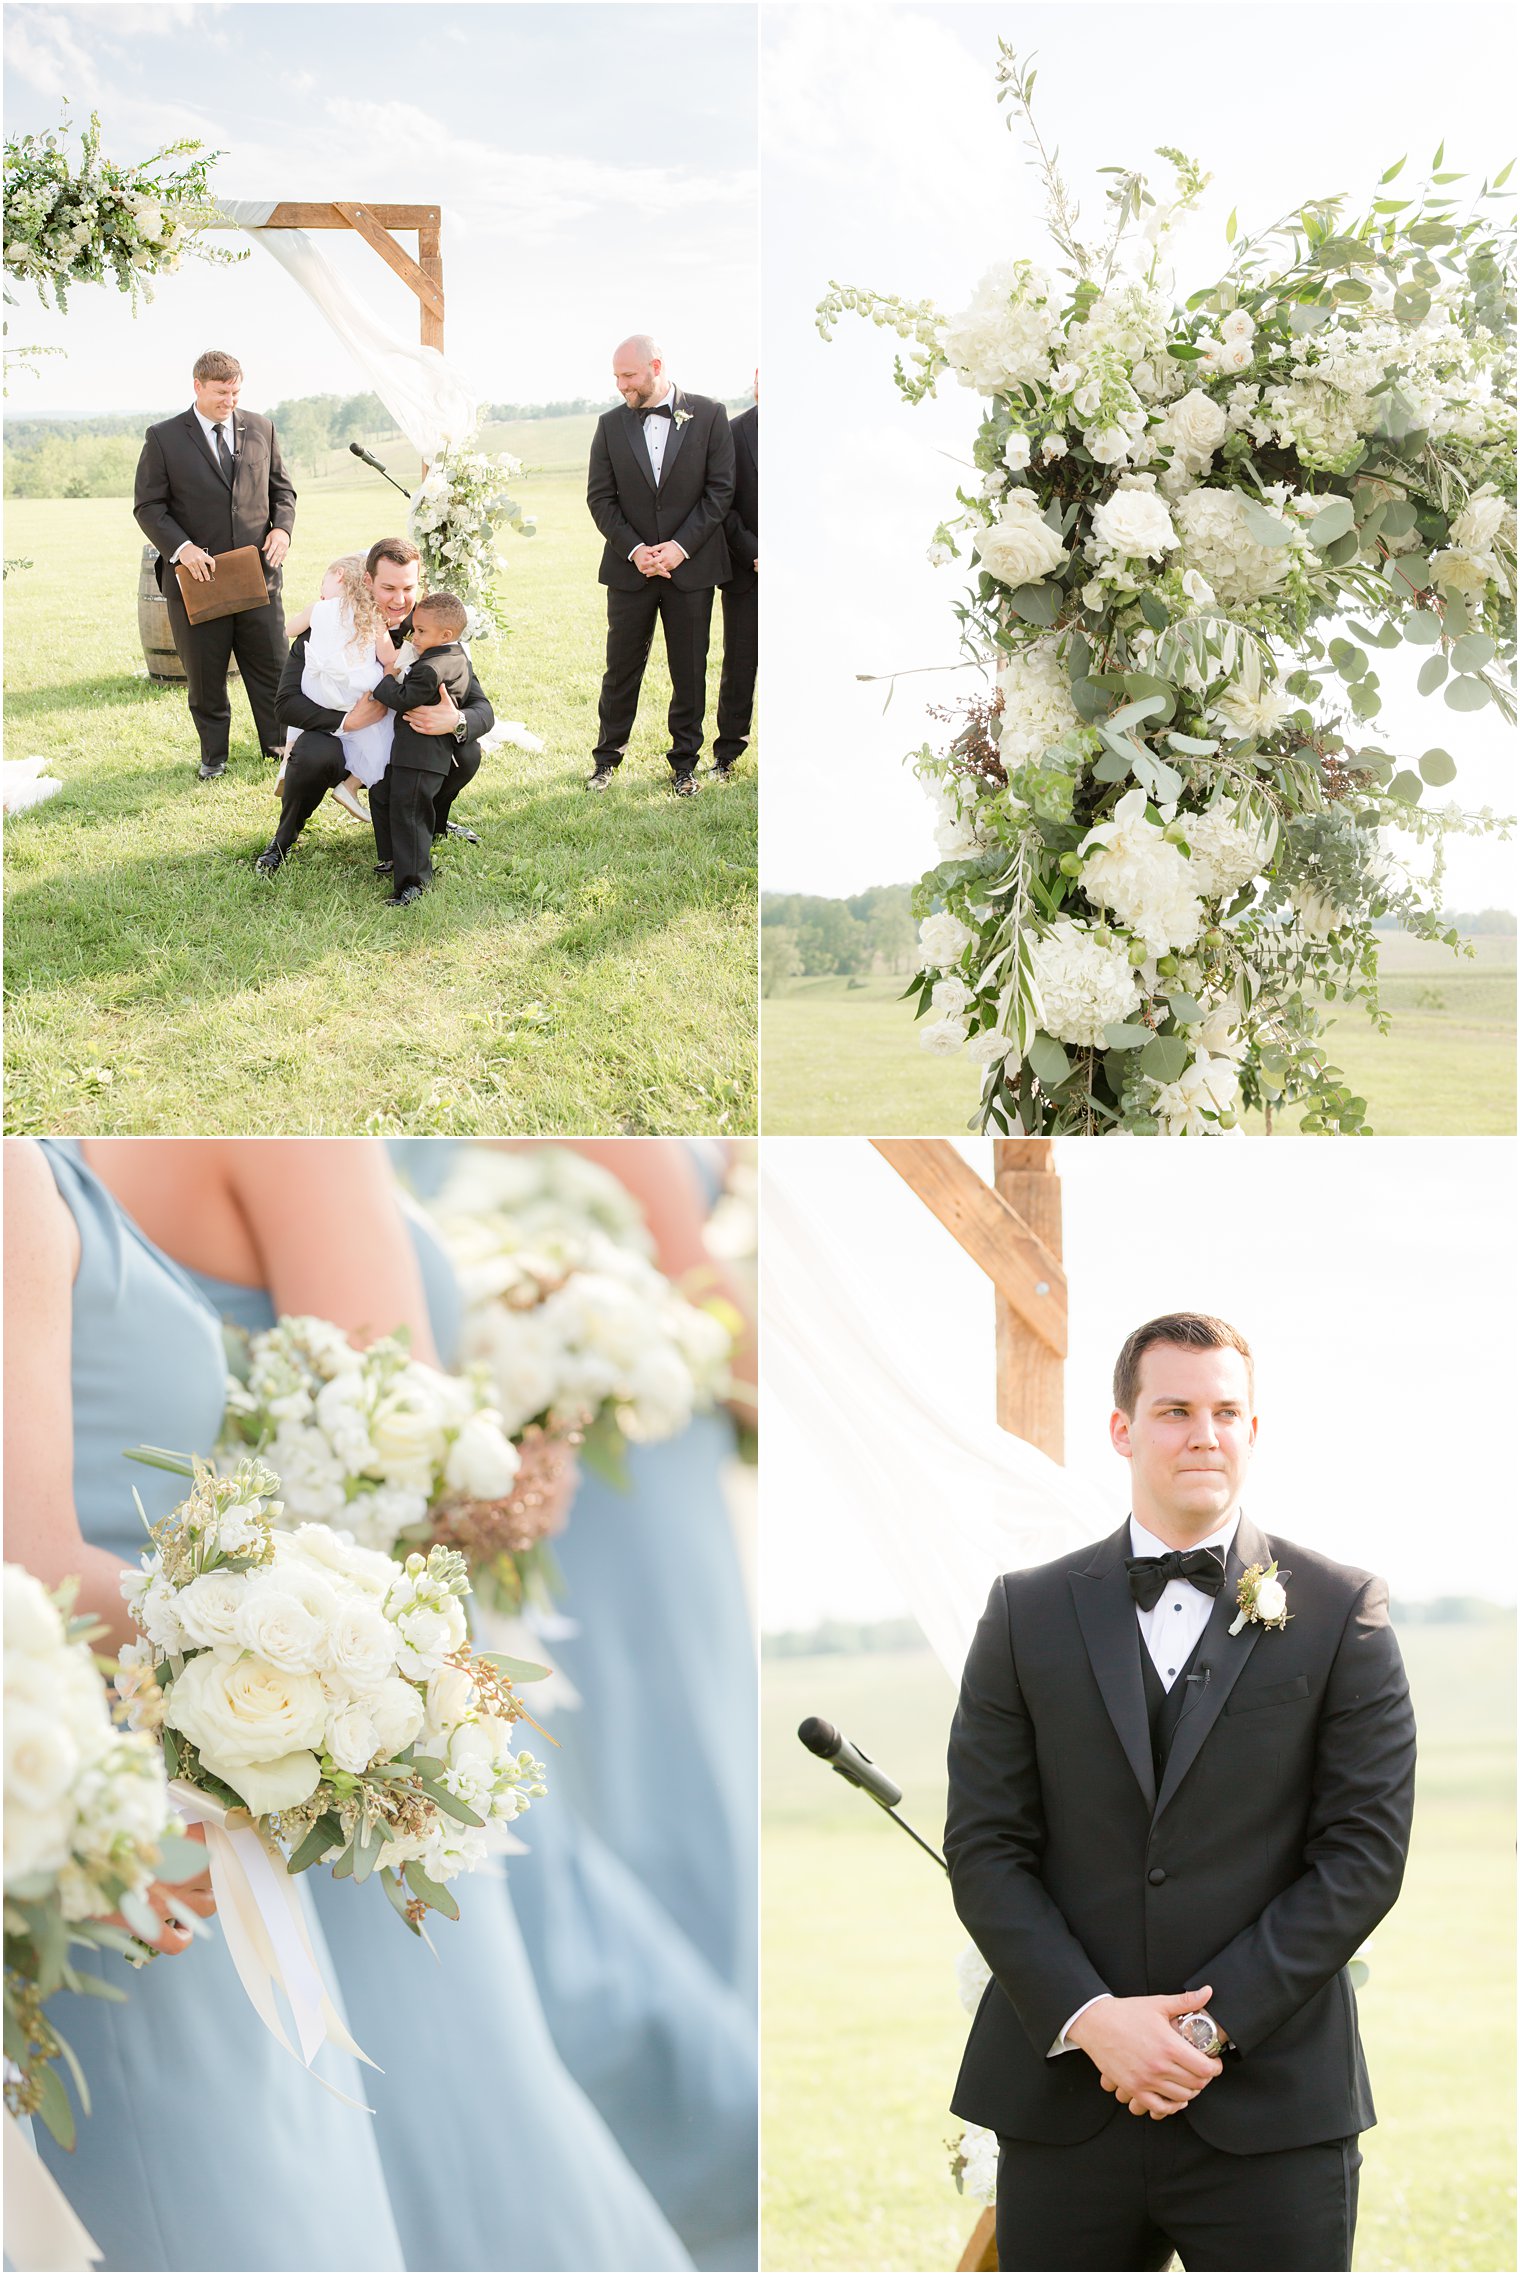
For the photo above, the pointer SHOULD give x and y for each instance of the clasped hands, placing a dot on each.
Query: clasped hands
(1140, 2058)
(658, 560)
(201, 565)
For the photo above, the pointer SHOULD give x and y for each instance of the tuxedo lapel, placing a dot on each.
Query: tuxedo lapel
(1223, 1654)
(197, 434)
(673, 440)
(1106, 1612)
(638, 448)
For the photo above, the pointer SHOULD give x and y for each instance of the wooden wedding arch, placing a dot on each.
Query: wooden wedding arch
(423, 277)
(1011, 1229)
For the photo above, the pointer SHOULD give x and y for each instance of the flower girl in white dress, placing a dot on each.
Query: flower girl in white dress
(348, 651)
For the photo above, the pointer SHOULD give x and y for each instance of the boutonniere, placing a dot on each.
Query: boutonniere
(1262, 1597)
(681, 417)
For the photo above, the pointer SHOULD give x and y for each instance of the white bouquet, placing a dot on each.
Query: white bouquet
(456, 519)
(326, 1689)
(88, 1825)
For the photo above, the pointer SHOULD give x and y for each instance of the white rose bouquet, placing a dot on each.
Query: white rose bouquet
(1193, 527)
(326, 1689)
(88, 1825)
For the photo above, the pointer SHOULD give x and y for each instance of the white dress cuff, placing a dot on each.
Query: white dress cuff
(1061, 2046)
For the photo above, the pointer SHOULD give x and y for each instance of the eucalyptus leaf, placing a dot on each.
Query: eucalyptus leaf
(1113, 766)
(1125, 1035)
(1190, 746)
(1398, 518)
(1165, 1057)
(1332, 521)
(1438, 768)
(1467, 695)
(516, 1670)
(431, 1892)
(1421, 628)
(1036, 604)
(1405, 786)
(1185, 1008)
(1155, 611)
(1473, 651)
(1432, 672)
(54, 2108)
(1132, 713)
(1266, 527)
(1049, 1061)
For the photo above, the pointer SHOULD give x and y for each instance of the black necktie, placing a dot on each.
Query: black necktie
(223, 453)
(660, 411)
(1203, 1568)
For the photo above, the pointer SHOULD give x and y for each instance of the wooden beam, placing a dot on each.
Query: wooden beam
(1031, 1398)
(1020, 1266)
(430, 258)
(330, 217)
(362, 218)
(980, 2254)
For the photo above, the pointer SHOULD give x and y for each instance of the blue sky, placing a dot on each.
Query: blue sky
(596, 165)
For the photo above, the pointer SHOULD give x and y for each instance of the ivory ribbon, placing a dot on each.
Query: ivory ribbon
(42, 2229)
(259, 1907)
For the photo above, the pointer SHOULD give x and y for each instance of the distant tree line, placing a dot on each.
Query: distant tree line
(845, 1638)
(805, 936)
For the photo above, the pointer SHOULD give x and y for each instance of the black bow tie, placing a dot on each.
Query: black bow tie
(1203, 1568)
(660, 411)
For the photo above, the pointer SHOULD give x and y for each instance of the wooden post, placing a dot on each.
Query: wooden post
(1030, 1400)
(430, 260)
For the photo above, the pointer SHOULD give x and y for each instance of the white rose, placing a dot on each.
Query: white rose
(1016, 452)
(408, 1439)
(942, 1038)
(209, 1606)
(1020, 548)
(942, 940)
(450, 1701)
(1271, 1599)
(41, 1756)
(397, 1709)
(482, 1461)
(286, 1618)
(1134, 524)
(362, 1643)
(1237, 326)
(320, 1547)
(1195, 425)
(950, 997)
(33, 1624)
(351, 1737)
(241, 1712)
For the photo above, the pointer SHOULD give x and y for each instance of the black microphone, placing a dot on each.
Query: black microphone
(858, 1769)
(821, 1738)
(369, 459)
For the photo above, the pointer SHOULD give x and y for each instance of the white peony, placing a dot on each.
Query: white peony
(1083, 987)
(1190, 1106)
(1148, 883)
(1020, 548)
(1134, 525)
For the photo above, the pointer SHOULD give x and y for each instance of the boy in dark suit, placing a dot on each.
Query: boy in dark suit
(420, 763)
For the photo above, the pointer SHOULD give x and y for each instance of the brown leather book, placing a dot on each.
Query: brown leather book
(238, 584)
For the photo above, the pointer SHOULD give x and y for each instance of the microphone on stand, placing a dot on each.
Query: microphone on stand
(858, 1769)
(369, 459)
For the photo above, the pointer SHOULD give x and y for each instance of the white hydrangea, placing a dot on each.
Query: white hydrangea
(1003, 337)
(1083, 987)
(1148, 883)
(1225, 856)
(1037, 707)
(979, 2165)
(1217, 543)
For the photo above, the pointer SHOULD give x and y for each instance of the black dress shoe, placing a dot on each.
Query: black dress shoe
(405, 897)
(723, 770)
(212, 770)
(456, 829)
(600, 780)
(384, 868)
(685, 785)
(269, 860)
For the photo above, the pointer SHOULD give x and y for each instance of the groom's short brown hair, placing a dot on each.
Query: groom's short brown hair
(1191, 1331)
(401, 550)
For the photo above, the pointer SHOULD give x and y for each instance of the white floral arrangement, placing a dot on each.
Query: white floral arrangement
(327, 1689)
(97, 222)
(576, 1325)
(457, 517)
(88, 1826)
(974, 2155)
(1165, 838)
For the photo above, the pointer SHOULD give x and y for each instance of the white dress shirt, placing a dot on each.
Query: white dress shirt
(1169, 1631)
(656, 435)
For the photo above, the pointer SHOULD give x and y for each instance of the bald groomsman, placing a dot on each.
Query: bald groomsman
(660, 485)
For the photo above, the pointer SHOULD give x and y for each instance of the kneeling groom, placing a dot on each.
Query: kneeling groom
(1181, 1780)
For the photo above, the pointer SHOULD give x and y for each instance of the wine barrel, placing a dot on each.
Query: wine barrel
(159, 652)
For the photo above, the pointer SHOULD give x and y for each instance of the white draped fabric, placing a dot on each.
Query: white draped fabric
(947, 1501)
(427, 396)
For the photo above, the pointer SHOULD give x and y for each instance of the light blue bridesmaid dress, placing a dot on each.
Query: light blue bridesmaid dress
(638, 1901)
(207, 2146)
(494, 2156)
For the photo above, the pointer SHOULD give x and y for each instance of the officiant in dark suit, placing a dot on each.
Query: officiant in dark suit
(210, 481)
(1181, 1784)
(660, 485)
(741, 597)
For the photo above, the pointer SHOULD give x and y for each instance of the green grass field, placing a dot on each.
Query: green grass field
(863, 2030)
(842, 1058)
(590, 966)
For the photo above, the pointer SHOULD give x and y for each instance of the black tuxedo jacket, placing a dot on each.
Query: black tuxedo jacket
(182, 495)
(742, 528)
(1274, 1846)
(295, 708)
(689, 507)
(446, 669)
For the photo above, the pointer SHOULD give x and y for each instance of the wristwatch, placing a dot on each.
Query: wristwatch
(1201, 2031)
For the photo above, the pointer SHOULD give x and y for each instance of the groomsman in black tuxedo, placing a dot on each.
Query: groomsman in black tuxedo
(659, 488)
(209, 481)
(1181, 1782)
(741, 597)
